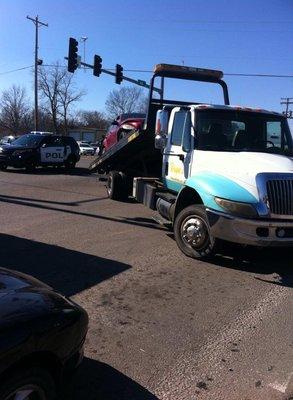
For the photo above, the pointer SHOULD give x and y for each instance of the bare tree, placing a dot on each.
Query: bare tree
(59, 94)
(67, 95)
(15, 112)
(49, 82)
(93, 119)
(125, 100)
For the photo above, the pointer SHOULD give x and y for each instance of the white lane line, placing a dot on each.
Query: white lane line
(181, 376)
(281, 387)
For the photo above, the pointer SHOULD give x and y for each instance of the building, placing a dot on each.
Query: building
(90, 135)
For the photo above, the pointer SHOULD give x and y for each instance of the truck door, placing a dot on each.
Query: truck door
(178, 152)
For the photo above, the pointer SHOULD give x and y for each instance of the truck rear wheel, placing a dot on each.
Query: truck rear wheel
(192, 233)
(117, 186)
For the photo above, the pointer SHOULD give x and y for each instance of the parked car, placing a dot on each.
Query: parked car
(121, 126)
(32, 150)
(42, 335)
(85, 149)
(8, 139)
(97, 146)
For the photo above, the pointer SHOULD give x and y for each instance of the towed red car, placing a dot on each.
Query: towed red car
(121, 126)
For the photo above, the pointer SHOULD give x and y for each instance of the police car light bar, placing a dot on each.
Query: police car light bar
(162, 69)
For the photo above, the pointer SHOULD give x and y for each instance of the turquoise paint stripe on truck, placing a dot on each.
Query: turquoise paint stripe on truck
(173, 185)
(210, 185)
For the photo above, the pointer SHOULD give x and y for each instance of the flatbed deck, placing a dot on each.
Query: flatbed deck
(136, 151)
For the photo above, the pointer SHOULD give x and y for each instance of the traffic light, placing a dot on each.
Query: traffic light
(72, 55)
(97, 65)
(119, 74)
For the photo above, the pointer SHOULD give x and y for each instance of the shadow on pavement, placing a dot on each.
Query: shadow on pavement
(67, 271)
(32, 203)
(95, 380)
(77, 171)
(60, 203)
(267, 261)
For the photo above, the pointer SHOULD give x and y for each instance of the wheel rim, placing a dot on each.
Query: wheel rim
(122, 135)
(27, 392)
(194, 232)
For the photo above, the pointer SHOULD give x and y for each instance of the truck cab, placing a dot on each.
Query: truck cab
(230, 170)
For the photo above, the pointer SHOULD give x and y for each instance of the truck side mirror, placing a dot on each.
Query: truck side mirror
(160, 141)
(161, 132)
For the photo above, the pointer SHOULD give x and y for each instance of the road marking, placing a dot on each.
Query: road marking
(281, 387)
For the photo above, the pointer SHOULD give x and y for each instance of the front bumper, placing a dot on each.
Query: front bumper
(255, 232)
(12, 161)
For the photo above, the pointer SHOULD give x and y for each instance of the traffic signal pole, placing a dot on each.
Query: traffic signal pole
(37, 24)
(125, 78)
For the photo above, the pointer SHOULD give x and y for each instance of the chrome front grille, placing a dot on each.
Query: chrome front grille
(280, 196)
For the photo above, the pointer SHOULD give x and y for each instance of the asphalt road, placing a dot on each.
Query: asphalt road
(162, 326)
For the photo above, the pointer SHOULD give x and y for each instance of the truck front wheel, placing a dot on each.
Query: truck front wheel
(192, 233)
(117, 186)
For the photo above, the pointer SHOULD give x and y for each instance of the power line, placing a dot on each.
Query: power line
(150, 72)
(14, 70)
(261, 75)
(226, 74)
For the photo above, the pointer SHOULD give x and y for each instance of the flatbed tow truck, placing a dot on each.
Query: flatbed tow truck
(212, 172)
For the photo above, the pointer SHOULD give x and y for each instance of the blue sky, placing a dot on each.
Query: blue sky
(252, 36)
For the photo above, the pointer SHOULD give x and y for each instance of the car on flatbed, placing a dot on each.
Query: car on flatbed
(33, 150)
(121, 126)
(42, 335)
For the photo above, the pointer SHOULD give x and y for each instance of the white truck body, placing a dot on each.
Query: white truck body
(239, 176)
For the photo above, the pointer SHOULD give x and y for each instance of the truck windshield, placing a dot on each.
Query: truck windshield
(28, 140)
(221, 130)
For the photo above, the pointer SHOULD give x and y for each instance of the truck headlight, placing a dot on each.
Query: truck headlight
(237, 208)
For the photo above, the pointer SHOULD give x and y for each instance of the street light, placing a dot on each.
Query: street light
(84, 39)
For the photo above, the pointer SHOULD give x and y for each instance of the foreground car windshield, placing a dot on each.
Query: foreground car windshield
(28, 140)
(243, 131)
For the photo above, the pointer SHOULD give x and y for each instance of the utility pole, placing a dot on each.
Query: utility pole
(37, 23)
(287, 101)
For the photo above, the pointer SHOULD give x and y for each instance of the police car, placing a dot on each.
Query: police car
(32, 150)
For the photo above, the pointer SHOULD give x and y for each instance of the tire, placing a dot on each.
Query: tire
(117, 186)
(37, 381)
(192, 233)
(3, 167)
(122, 135)
(70, 163)
(30, 165)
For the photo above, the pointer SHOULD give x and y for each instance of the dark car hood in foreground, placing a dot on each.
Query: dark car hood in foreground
(24, 298)
(34, 318)
(13, 281)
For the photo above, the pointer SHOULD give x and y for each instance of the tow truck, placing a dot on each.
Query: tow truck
(213, 173)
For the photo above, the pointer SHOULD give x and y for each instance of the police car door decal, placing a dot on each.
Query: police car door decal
(52, 154)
